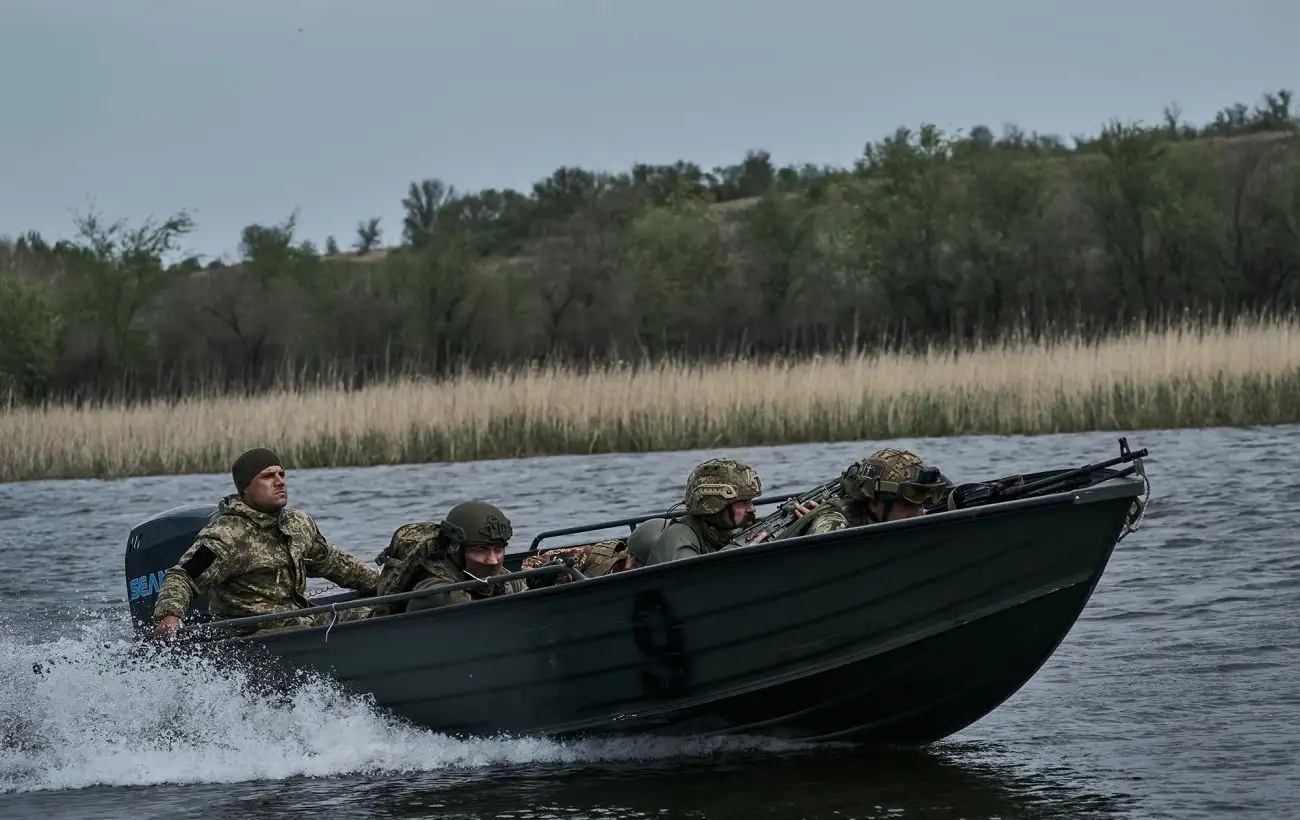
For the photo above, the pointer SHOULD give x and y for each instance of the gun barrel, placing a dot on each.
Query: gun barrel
(1033, 486)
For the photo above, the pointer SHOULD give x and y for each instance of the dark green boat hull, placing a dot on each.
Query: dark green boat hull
(895, 634)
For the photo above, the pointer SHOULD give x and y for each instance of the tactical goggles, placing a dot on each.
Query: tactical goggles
(920, 494)
(925, 487)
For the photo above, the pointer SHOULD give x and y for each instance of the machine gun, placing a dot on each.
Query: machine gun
(1006, 489)
(784, 515)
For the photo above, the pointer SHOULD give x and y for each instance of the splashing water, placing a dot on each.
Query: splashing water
(96, 708)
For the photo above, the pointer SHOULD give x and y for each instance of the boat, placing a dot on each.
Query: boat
(891, 634)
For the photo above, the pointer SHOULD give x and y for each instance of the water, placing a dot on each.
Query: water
(1176, 695)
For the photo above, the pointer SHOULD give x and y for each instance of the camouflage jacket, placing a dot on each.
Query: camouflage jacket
(445, 572)
(592, 560)
(412, 554)
(854, 513)
(254, 563)
(687, 537)
(828, 516)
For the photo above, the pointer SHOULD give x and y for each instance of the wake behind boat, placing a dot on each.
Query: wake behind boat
(895, 633)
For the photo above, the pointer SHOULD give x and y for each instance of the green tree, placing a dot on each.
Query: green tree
(114, 271)
(368, 235)
(423, 203)
(30, 327)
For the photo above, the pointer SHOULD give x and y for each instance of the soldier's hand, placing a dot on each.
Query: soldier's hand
(166, 628)
(800, 510)
(762, 536)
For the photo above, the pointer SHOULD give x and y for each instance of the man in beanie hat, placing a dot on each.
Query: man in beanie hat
(255, 556)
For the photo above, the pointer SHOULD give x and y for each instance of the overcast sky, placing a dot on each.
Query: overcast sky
(243, 110)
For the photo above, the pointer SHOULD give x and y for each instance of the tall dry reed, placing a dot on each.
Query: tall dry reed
(1184, 377)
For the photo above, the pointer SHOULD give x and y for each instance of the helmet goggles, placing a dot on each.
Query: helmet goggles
(923, 485)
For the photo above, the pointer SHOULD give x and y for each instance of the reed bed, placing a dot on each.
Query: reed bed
(1179, 377)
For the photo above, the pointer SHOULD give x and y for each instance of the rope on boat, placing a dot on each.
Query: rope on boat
(1138, 509)
(334, 618)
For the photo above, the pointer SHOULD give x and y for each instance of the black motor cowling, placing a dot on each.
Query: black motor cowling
(153, 547)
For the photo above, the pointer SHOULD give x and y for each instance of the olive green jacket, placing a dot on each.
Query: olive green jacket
(688, 537)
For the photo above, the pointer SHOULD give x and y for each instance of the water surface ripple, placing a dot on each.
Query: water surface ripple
(1176, 695)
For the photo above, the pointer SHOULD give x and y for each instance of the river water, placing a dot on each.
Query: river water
(1176, 695)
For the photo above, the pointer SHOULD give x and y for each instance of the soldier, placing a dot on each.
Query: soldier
(719, 499)
(469, 544)
(256, 556)
(887, 485)
(411, 554)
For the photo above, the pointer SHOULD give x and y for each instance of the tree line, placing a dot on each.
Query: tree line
(929, 238)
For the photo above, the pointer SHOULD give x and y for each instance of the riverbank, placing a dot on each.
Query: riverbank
(927, 235)
(1185, 377)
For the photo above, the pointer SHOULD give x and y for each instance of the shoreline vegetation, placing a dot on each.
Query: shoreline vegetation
(1182, 376)
(986, 250)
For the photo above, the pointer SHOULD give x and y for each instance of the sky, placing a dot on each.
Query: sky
(244, 111)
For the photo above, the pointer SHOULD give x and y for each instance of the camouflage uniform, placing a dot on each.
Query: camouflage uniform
(710, 489)
(592, 560)
(424, 555)
(897, 470)
(255, 563)
(832, 515)
(412, 554)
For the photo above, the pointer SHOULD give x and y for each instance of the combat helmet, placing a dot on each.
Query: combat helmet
(474, 522)
(891, 474)
(717, 482)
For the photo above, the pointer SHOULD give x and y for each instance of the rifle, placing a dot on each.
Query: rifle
(784, 515)
(1006, 489)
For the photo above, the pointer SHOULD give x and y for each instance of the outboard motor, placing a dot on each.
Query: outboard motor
(154, 546)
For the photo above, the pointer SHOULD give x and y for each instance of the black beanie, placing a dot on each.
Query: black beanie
(248, 465)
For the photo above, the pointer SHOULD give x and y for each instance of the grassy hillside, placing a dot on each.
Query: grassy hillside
(927, 239)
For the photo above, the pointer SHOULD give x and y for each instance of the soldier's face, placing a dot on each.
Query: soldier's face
(483, 558)
(268, 491)
(900, 509)
(742, 512)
